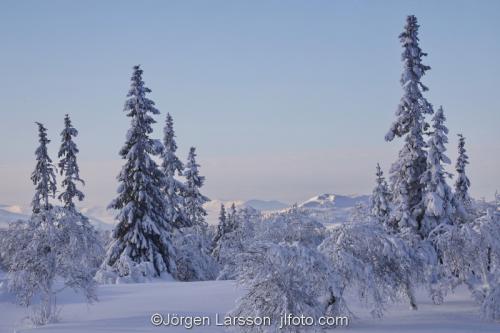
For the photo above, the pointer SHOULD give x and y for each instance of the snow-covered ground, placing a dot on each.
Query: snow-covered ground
(128, 308)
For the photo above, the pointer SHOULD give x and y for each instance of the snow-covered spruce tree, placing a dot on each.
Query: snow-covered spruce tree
(437, 195)
(407, 171)
(193, 199)
(463, 201)
(231, 222)
(43, 176)
(193, 244)
(142, 246)
(173, 188)
(68, 166)
(380, 200)
(221, 231)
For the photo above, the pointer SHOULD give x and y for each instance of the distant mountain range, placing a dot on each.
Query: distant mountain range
(14, 213)
(330, 208)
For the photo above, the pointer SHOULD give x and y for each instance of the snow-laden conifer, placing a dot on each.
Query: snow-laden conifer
(193, 199)
(68, 166)
(142, 244)
(462, 199)
(222, 229)
(406, 172)
(437, 195)
(43, 177)
(173, 188)
(380, 200)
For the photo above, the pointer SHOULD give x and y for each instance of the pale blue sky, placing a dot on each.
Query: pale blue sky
(283, 99)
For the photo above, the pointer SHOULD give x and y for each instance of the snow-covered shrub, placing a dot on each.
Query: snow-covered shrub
(490, 308)
(470, 254)
(360, 213)
(233, 242)
(193, 260)
(284, 278)
(57, 243)
(382, 268)
(293, 225)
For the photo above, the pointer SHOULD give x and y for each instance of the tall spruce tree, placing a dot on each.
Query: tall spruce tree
(222, 229)
(43, 176)
(437, 195)
(231, 222)
(463, 201)
(380, 200)
(193, 199)
(173, 188)
(142, 241)
(406, 172)
(68, 166)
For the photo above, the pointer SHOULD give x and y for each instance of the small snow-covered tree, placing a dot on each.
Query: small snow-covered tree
(173, 188)
(470, 254)
(437, 196)
(406, 172)
(234, 239)
(52, 244)
(142, 241)
(463, 201)
(292, 225)
(382, 268)
(284, 278)
(380, 200)
(43, 176)
(193, 199)
(222, 229)
(231, 219)
(68, 166)
(194, 261)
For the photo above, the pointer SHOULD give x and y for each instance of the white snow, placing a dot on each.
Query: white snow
(128, 308)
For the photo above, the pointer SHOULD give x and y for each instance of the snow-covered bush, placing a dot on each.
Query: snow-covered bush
(470, 254)
(193, 259)
(240, 232)
(294, 225)
(284, 278)
(382, 268)
(490, 307)
(56, 243)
